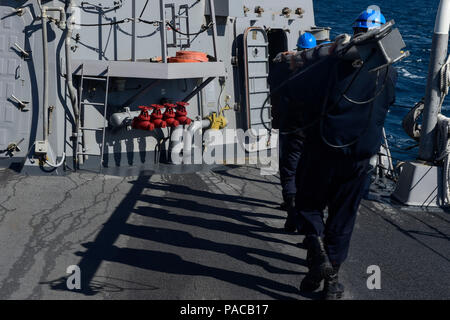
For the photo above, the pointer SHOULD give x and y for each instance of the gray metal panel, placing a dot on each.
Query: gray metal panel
(227, 8)
(14, 81)
(116, 45)
(273, 9)
(148, 70)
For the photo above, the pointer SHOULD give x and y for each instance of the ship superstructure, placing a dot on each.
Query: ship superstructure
(105, 86)
(74, 74)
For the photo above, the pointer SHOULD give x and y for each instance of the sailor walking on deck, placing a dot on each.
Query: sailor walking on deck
(346, 106)
(291, 144)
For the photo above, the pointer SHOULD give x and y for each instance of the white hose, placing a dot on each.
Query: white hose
(188, 136)
(59, 164)
(62, 24)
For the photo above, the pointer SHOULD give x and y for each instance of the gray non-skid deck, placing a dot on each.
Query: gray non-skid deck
(204, 235)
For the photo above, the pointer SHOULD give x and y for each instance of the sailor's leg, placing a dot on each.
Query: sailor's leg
(312, 189)
(281, 154)
(311, 198)
(345, 198)
(290, 157)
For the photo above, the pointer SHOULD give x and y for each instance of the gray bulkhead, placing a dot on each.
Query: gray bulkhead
(126, 48)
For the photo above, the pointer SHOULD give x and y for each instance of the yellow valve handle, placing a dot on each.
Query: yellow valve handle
(218, 122)
(227, 107)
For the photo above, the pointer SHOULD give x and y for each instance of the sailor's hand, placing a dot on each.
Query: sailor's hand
(296, 61)
(283, 56)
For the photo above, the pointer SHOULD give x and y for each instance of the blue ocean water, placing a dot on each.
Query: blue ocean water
(415, 20)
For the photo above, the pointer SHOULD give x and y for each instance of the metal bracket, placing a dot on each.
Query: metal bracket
(198, 89)
(13, 147)
(21, 104)
(24, 54)
(19, 11)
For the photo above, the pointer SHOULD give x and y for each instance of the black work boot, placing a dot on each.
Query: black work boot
(289, 225)
(318, 264)
(333, 290)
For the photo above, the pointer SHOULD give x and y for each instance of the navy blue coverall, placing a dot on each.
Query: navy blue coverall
(288, 119)
(334, 176)
(291, 148)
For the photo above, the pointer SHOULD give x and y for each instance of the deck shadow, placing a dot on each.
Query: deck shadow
(103, 247)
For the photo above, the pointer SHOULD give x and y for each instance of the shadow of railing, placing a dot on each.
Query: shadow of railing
(163, 209)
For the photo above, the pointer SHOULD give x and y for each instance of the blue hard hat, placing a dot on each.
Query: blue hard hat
(370, 19)
(306, 41)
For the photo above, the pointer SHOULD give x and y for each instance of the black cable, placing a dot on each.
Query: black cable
(143, 10)
(103, 24)
(203, 29)
(322, 135)
(99, 7)
(114, 23)
(372, 99)
(148, 22)
(354, 141)
(321, 128)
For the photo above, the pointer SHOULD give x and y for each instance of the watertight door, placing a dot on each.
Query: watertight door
(256, 60)
(15, 99)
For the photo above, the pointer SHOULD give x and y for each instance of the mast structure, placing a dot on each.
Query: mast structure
(433, 92)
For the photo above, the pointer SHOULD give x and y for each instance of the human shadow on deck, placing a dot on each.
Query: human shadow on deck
(248, 225)
(210, 224)
(184, 239)
(219, 197)
(103, 248)
(167, 262)
(226, 173)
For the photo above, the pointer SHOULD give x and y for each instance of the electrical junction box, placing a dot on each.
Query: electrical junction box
(227, 8)
(41, 148)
